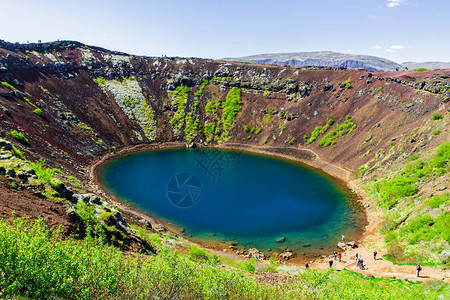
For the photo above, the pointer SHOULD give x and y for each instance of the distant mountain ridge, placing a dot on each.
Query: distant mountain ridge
(323, 59)
(430, 65)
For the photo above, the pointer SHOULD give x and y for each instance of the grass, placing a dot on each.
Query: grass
(18, 135)
(100, 81)
(42, 172)
(319, 130)
(37, 264)
(7, 85)
(179, 99)
(231, 107)
(420, 69)
(18, 153)
(342, 129)
(268, 118)
(37, 112)
(415, 230)
(436, 116)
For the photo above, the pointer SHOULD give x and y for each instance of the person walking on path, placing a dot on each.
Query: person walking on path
(418, 268)
(361, 261)
(340, 257)
(306, 265)
(343, 238)
(375, 255)
(335, 255)
(331, 263)
(356, 256)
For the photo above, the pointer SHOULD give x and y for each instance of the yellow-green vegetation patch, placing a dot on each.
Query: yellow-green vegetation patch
(341, 130)
(416, 230)
(18, 135)
(70, 269)
(179, 100)
(319, 130)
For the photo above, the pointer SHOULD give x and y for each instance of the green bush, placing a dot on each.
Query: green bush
(436, 132)
(18, 135)
(231, 107)
(420, 69)
(42, 172)
(436, 116)
(100, 81)
(319, 130)
(7, 85)
(37, 112)
(36, 263)
(246, 129)
(258, 131)
(392, 190)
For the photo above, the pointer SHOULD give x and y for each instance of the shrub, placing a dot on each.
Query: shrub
(436, 132)
(7, 85)
(37, 112)
(436, 116)
(100, 81)
(420, 69)
(42, 172)
(246, 129)
(392, 190)
(231, 107)
(18, 135)
(258, 131)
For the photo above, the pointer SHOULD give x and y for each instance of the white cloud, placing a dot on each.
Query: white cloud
(389, 50)
(394, 3)
(396, 47)
(377, 47)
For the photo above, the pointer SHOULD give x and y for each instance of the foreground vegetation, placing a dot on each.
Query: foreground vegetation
(36, 263)
(417, 226)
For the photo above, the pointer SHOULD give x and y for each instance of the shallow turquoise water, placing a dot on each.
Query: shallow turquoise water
(233, 196)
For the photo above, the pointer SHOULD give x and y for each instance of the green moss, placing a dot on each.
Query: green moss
(231, 107)
(179, 99)
(43, 173)
(18, 135)
(7, 85)
(319, 130)
(436, 116)
(100, 81)
(268, 118)
(37, 112)
(18, 153)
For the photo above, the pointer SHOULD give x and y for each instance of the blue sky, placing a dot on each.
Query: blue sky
(400, 30)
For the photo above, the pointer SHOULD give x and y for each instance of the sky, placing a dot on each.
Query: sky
(399, 30)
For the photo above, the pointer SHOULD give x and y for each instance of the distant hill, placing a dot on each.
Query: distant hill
(323, 59)
(430, 65)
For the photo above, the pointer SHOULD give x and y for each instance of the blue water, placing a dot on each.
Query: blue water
(249, 199)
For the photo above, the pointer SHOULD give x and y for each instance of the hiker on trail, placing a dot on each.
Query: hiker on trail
(340, 257)
(343, 238)
(361, 264)
(418, 268)
(335, 255)
(375, 255)
(306, 265)
(356, 256)
(331, 263)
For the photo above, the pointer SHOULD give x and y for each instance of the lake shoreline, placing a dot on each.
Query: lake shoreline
(304, 157)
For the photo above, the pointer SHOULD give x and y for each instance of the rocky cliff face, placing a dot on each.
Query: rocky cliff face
(75, 102)
(323, 59)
